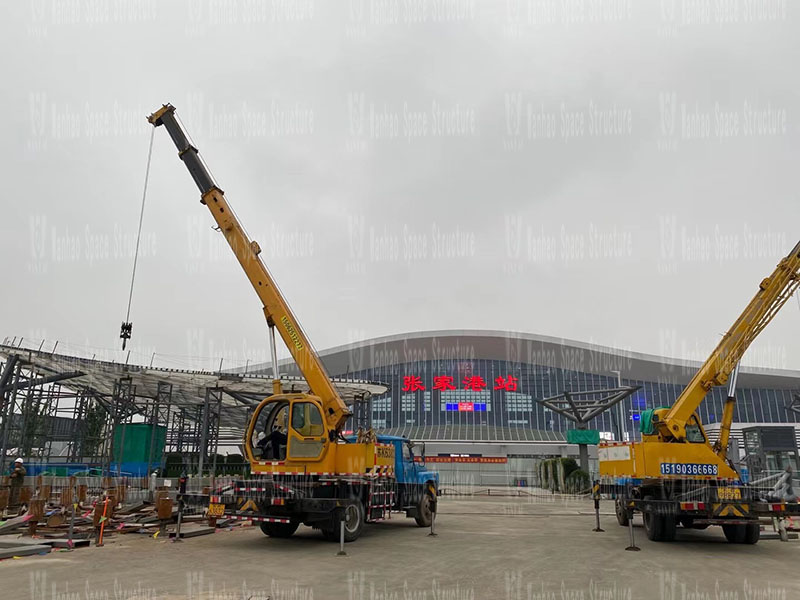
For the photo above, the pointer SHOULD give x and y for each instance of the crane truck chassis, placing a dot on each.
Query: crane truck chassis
(279, 503)
(322, 477)
(691, 498)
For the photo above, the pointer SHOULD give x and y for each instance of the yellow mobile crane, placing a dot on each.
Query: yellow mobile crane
(308, 471)
(675, 474)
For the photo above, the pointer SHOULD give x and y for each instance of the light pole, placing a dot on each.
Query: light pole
(620, 410)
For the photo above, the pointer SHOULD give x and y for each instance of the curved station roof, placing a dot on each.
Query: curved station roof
(527, 348)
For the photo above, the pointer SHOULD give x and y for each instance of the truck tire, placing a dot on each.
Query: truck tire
(669, 527)
(734, 533)
(353, 515)
(653, 523)
(621, 511)
(748, 533)
(659, 528)
(279, 530)
(425, 510)
(752, 533)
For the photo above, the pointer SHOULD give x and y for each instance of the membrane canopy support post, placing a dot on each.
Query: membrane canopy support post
(581, 407)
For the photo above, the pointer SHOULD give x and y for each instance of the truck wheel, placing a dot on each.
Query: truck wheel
(747, 533)
(353, 523)
(669, 527)
(425, 510)
(279, 530)
(734, 533)
(653, 522)
(752, 531)
(621, 511)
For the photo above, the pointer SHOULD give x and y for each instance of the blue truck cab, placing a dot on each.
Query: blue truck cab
(409, 462)
(417, 487)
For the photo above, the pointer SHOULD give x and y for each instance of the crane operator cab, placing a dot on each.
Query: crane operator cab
(302, 442)
(649, 427)
(292, 429)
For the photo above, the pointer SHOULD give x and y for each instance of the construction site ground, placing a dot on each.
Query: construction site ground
(539, 547)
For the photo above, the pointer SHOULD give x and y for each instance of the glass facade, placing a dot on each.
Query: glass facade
(500, 394)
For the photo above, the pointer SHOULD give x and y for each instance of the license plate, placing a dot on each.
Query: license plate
(729, 493)
(216, 510)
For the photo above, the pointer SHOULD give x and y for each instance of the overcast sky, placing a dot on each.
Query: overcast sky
(622, 173)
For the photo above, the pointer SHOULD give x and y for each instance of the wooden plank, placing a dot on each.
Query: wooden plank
(55, 520)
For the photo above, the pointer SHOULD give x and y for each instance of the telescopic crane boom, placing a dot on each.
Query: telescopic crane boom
(772, 294)
(247, 251)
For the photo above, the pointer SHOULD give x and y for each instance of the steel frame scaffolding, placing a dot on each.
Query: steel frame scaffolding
(45, 422)
(58, 409)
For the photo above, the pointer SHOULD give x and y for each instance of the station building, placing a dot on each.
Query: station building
(472, 396)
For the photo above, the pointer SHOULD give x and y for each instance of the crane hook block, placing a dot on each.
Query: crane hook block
(125, 333)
